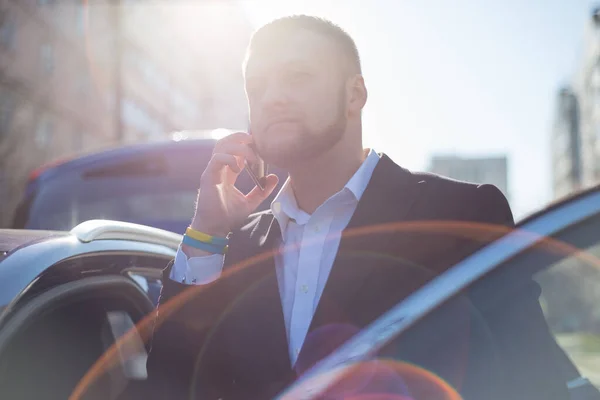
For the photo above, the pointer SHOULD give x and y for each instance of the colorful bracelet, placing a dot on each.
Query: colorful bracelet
(209, 247)
(206, 238)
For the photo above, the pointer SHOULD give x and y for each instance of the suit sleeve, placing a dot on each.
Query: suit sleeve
(533, 361)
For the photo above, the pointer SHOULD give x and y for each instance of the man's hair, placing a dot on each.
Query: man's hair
(264, 37)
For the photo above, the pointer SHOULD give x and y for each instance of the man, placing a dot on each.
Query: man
(306, 275)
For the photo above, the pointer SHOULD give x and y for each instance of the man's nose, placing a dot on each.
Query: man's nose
(275, 96)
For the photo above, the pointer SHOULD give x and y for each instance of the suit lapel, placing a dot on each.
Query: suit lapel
(390, 194)
(257, 332)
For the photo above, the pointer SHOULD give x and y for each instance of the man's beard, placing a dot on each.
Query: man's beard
(308, 145)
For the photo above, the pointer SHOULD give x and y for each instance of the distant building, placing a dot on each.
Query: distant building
(587, 89)
(566, 145)
(51, 103)
(187, 75)
(492, 170)
(79, 75)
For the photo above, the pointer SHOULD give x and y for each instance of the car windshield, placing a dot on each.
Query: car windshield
(147, 201)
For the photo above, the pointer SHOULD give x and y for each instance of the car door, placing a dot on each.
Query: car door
(81, 328)
(519, 319)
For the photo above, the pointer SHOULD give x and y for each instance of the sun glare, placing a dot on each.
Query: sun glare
(220, 133)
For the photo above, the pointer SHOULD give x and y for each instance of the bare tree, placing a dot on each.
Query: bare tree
(17, 158)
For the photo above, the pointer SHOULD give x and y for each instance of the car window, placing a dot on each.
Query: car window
(570, 301)
(142, 201)
(528, 329)
(171, 205)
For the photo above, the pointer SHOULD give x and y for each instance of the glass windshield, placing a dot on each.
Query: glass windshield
(151, 205)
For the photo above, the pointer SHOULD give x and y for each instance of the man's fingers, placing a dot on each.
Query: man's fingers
(213, 172)
(238, 144)
(257, 196)
(238, 137)
(236, 149)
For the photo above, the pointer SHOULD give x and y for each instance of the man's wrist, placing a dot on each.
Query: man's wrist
(190, 252)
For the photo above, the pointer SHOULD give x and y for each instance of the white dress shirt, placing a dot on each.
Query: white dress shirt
(308, 247)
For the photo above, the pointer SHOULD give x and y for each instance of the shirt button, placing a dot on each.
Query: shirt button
(317, 229)
(304, 288)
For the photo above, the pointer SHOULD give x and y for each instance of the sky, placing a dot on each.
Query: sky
(468, 77)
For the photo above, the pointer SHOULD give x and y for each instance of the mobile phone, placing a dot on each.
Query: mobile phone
(257, 171)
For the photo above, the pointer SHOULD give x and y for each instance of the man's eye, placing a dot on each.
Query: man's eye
(298, 76)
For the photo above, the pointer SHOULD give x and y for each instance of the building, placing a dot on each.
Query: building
(492, 170)
(77, 76)
(47, 96)
(587, 89)
(566, 146)
(188, 76)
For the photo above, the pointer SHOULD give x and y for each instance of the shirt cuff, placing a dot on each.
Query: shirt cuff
(196, 270)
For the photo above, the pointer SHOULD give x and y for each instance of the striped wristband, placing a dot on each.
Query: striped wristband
(209, 247)
(206, 238)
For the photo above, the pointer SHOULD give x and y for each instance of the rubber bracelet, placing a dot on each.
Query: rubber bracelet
(209, 247)
(206, 238)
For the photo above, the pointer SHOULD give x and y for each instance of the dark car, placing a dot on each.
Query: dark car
(153, 184)
(67, 297)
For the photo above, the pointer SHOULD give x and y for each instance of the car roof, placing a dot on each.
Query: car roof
(558, 203)
(83, 162)
(11, 239)
(33, 252)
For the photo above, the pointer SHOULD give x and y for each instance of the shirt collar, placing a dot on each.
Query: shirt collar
(359, 181)
(285, 207)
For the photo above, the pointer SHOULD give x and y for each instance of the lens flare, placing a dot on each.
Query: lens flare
(379, 379)
(479, 232)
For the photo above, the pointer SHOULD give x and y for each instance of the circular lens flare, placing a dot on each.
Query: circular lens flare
(379, 379)
(477, 232)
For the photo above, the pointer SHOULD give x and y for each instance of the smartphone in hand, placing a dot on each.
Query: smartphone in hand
(257, 171)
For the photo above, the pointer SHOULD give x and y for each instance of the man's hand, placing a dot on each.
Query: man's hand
(221, 207)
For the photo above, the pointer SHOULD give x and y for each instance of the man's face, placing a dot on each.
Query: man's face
(297, 97)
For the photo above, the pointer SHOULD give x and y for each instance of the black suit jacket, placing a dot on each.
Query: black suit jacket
(228, 340)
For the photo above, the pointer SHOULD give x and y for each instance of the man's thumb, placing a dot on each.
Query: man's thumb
(257, 195)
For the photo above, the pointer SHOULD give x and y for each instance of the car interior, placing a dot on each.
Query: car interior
(51, 343)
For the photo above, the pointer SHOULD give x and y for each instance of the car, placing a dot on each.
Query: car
(152, 184)
(65, 298)
(75, 320)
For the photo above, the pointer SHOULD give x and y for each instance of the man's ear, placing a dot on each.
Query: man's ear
(356, 94)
